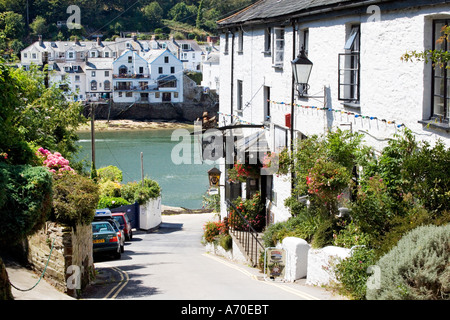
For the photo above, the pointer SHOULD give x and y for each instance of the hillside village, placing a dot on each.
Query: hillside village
(126, 70)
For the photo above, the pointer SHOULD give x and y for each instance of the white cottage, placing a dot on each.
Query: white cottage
(131, 76)
(358, 80)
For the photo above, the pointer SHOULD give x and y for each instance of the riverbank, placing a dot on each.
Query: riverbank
(116, 125)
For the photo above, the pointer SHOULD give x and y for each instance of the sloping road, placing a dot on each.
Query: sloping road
(171, 264)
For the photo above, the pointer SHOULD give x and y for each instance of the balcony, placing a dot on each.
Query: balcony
(135, 88)
(131, 76)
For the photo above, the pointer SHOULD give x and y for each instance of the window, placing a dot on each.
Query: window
(226, 43)
(24, 55)
(106, 73)
(106, 54)
(129, 94)
(175, 94)
(304, 40)
(75, 68)
(77, 78)
(349, 68)
(239, 96)
(141, 70)
(130, 59)
(93, 85)
(92, 73)
(172, 69)
(123, 70)
(267, 40)
(34, 56)
(240, 41)
(441, 77)
(93, 54)
(266, 103)
(278, 48)
(107, 85)
(166, 59)
(185, 46)
(160, 70)
(70, 55)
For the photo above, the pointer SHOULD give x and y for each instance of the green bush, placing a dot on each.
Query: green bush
(110, 173)
(303, 225)
(111, 202)
(417, 268)
(25, 200)
(135, 192)
(352, 272)
(75, 199)
(109, 188)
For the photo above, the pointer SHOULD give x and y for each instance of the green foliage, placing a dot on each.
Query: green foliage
(303, 225)
(109, 189)
(111, 202)
(417, 267)
(252, 210)
(110, 173)
(33, 115)
(352, 272)
(75, 199)
(135, 192)
(214, 229)
(25, 200)
(212, 202)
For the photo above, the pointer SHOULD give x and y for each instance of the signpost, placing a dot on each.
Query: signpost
(274, 263)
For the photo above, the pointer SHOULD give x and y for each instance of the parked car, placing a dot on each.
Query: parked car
(105, 215)
(105, 238)
(125, 224)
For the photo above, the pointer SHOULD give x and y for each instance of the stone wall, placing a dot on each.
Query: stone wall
(71, 262)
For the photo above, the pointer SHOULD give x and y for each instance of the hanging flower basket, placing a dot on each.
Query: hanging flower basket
(240, 172)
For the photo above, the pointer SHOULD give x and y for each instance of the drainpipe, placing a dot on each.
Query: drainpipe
(292, 103)
(232, 74)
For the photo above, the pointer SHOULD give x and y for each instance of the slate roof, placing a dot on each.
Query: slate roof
(266, 10)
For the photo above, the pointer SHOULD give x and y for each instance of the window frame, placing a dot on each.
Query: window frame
(278, 45)
(350, 79)
(442, 118)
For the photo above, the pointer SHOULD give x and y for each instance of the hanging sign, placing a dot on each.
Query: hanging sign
(274, 263)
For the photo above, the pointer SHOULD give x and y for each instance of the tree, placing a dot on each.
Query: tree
(154, 13)
(39, 26)
(199, 20)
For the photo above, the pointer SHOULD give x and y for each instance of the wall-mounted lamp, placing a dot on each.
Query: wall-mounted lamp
(301, 68)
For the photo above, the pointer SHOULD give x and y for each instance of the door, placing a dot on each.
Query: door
(166, 96)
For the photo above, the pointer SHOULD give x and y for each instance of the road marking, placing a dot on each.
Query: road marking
(231, 266)
(282, 287)
(120, 284)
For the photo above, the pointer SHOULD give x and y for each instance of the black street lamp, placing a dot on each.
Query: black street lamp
(301, 68)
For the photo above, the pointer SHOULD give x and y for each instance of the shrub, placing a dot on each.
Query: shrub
(25, 200)
(110, 173)
(212, 202)
(213, 229)
(352, 273)
(135, 192)
(350, 235)
(111, 202)
(109, 189)
(417, 268)
(252, 210)
(74, 199)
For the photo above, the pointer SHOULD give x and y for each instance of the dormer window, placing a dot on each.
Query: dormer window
(67, 69)
(185, 46)
(93, 54)
(128, 45)
(71, 55)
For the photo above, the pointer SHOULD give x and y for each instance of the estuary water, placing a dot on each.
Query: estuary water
(183, 185)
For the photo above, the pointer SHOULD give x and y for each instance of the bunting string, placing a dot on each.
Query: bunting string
(235, 117)
(337, 111)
